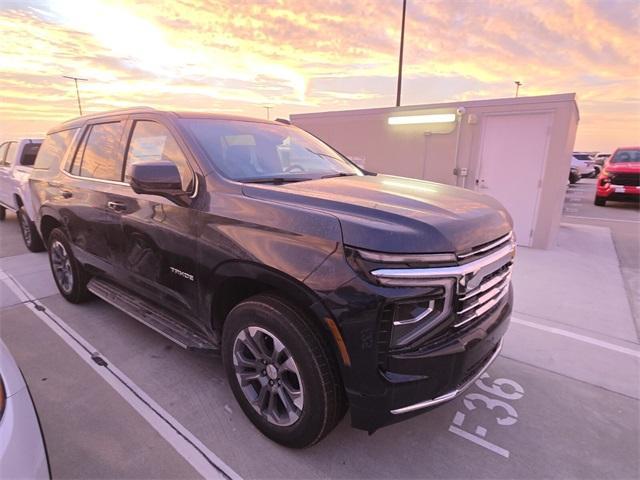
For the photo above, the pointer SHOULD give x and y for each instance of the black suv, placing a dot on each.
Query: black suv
(323, 286)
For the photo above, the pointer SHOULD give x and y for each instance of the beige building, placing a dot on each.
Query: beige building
(515, 149)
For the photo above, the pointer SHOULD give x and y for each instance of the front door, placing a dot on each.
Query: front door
(157, 247)
(514, 149)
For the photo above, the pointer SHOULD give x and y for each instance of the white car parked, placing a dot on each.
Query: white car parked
(16, 161)
(584, 163)
(22, 448)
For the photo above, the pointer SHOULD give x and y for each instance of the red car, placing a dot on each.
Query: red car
(620, 178)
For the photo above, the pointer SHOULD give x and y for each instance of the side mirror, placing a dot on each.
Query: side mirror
(157, 178)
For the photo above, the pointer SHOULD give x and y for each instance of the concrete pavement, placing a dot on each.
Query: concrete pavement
(561, 401)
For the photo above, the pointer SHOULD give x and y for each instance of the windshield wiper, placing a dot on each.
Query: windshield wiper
(341, 174)
(322, 154)
(274, 180)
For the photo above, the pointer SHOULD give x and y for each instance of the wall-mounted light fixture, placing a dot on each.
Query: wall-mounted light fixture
(420, 119)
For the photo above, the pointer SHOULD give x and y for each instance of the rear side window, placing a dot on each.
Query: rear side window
(53, 149)
(99, 154)
(29, 153)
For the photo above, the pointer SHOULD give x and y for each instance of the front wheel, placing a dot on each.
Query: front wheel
(599, 201)
(281, 372)
(70, 277)
(29, 232)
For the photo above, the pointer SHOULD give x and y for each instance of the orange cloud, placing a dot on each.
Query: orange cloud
(237, 55)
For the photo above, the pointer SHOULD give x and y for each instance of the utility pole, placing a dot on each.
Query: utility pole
(268, 109)
(518, 84)
(399, 91)
(75, 79)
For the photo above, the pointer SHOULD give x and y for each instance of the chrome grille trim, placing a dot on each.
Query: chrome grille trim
(486, 248)
(487, 303)
(444, 272)
(487, 285)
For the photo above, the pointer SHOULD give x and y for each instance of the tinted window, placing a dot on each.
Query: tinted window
(11, 152)
(29, 153)
(152, 142)
(252, 150)
(101, 158)
(53, 148)
(622, 156)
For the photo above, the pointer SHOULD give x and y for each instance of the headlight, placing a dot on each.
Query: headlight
(411, 318)
(364, 262)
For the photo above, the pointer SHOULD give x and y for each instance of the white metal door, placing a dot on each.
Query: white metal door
(514, 149)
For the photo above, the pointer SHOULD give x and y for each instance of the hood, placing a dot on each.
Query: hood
(626, 167)
(397, 215)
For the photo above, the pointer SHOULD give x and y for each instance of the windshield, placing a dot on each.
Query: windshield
(253, 152)
(624, 156)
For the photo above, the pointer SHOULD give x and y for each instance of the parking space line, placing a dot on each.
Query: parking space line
(602, 219)
(204, 461)
(577, 336)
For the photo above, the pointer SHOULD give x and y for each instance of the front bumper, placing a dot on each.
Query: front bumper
(419, 381)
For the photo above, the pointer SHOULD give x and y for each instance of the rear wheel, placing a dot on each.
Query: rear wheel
(281, 372)
(29, 232)
(601, 202)
(3, 213)
(70, 277)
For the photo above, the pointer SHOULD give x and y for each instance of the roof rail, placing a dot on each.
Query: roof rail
(113, 112)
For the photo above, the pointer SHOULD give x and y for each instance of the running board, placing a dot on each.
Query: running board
(174, 329)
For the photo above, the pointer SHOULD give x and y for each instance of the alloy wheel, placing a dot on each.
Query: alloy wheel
(61, 263)
(268, 376)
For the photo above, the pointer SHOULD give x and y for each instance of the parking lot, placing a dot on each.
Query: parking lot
(118, 400)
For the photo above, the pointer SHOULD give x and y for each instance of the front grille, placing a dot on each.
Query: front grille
(484, 249)
(480, 300)
(629, 179)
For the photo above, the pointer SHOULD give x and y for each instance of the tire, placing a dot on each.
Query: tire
(599, 201)
(3, 214)
(308, 378)
(29, 232)
(71, 279)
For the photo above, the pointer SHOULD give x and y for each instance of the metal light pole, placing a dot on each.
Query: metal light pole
(75, 79)
(518, 83)
(399, 92)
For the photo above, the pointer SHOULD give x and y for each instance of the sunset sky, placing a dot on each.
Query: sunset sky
(308, 55)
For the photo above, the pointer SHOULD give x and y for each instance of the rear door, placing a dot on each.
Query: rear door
(93, 174)
(157, 243)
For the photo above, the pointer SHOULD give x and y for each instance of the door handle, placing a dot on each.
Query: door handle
(55, 184)
(116, 206)
(66, 194)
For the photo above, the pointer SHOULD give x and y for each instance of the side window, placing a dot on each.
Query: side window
(53, 149)
(99, 155)
(3, 151)
(11, 151)
(152, 142)
(29, 153)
